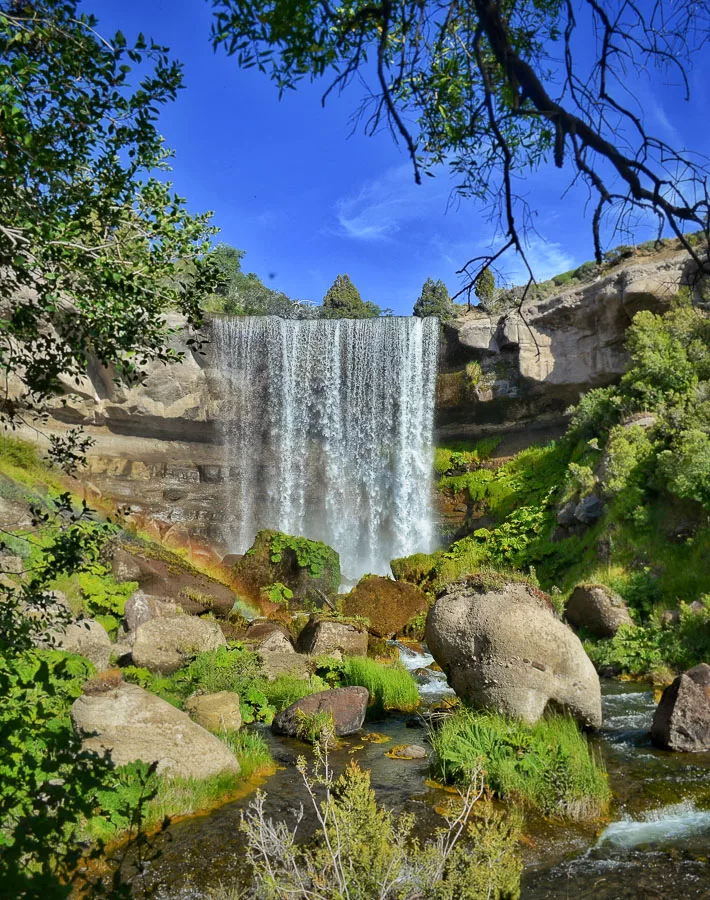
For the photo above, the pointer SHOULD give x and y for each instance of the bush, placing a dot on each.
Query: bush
(547, 766)
(361, 851)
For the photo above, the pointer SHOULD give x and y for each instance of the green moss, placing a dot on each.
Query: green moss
(547, 767)
(312, 555)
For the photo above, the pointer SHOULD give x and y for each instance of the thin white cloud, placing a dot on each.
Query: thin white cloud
(546, 259)
(384, 204)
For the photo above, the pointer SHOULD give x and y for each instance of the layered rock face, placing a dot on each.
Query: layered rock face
(529, 365)
(158, 444)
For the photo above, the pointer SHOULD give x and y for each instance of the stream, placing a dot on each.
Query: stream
(657, 844)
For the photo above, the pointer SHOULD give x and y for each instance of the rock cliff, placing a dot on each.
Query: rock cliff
(158, 444)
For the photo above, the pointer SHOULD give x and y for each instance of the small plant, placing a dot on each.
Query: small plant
(314, 727)
(278, 593)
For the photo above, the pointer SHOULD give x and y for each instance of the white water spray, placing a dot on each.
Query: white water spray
(328, 433)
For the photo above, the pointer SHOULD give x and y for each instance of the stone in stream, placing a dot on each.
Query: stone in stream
(323, 635)
(162, 645)
(682, 718)
(133, 724)
(502, 648)
(598, 609)
(407, 751)
(346, 705)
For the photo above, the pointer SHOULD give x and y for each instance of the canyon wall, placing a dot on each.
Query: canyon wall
(158, 445)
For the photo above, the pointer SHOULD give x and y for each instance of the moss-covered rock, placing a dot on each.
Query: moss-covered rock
(307, 568)
(388, 605)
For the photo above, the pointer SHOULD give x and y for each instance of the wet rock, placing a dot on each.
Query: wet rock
(408, 751)
(216, 712)
(269, 636)
(87, 638)
(682, 718)
(423, 676)
(321, 636)
(162, 645)
(588, 510)
(387, 605)
(346, 705)
(133, 724)
(502, 647)
(261, 567)
(598, 609)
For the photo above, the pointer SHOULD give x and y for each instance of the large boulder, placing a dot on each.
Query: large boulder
(598, 609)
(164, 574)
(215, 712)
(682, 719)
(502, 647)
(310, 569)
(133, 724)
(346, 705)
(87, 638)
(274, 663)
(322, 636)
(387, 605)
(162, 645)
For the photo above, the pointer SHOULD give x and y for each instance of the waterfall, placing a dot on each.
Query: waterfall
(328, 433)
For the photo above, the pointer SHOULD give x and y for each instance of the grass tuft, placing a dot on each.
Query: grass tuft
(391, 686)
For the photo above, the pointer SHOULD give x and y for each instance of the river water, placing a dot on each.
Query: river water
(657, 844)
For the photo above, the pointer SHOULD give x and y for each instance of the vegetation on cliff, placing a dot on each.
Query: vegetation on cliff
(638, 456)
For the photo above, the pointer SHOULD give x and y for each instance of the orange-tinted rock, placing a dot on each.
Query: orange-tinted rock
(387, 605)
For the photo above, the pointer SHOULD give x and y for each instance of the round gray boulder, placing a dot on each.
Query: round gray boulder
(682, 718)
(598, 609)
(87, 638)
(502, 648)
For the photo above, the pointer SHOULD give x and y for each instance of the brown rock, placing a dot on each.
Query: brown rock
(388, 605)
(215, 712)
(133, 724)
(346, 705)
(682, 718)
(321, 636)
(598, 609)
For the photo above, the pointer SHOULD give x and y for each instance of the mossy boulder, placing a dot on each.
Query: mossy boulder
(418, 569)
(388, 605)
(309, 569)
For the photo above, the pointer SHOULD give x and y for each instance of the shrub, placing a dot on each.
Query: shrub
(687, 467)
(391, 687)
(547, 766)
(361, 851)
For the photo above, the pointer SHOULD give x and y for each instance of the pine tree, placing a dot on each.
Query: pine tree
(434, 301)
(485, 288)
(343, 301)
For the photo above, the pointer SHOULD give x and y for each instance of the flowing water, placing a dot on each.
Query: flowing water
(328, 433)
(656, 845)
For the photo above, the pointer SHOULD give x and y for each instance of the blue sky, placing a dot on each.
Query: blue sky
(307, 200)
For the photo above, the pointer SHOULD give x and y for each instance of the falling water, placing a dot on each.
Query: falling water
(328, 432)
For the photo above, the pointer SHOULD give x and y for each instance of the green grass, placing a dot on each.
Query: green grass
(548, 767)
(391, 687)
(173, 797)
(287, 689)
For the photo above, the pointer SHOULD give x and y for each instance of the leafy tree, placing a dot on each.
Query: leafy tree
(343, 301)
(434, 300)
(496, 89)
(485, 288)
(94, 248)
(245, 294)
